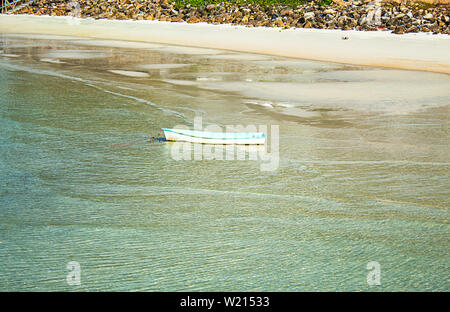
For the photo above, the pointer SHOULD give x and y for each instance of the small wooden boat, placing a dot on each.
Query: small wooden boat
(206, 137)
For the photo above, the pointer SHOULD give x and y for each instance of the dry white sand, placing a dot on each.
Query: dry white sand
(420, 51)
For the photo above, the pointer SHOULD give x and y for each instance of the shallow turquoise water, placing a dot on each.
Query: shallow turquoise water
(363, 173)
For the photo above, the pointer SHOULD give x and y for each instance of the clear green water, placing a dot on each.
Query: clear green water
(363, 173)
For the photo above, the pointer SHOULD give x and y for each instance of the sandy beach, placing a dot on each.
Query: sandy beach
(415, 51)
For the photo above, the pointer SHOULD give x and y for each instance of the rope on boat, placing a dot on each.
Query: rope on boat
(152, 139)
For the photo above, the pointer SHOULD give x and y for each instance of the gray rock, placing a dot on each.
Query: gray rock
(309, 15)
(428, 16)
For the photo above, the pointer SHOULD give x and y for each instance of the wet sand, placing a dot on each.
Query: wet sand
(421, 51)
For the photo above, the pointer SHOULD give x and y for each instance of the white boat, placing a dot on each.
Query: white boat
(206, 137)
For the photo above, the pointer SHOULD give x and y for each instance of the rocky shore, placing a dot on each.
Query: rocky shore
(359, 15)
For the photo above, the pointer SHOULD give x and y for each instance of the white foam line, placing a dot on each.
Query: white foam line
(53, 61)
(129, 73)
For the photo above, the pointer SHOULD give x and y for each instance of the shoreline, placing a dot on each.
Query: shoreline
(363, 15)
(416, 51)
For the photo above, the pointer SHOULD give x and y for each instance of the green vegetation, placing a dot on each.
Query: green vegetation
(325, 2)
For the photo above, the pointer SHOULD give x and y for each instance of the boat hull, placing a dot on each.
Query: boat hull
(248, 139)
